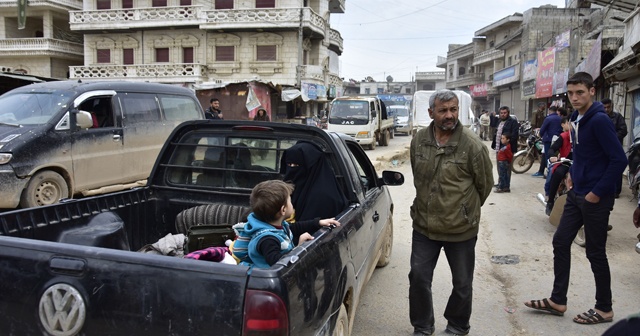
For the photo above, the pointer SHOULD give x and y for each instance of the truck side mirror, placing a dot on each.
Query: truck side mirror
(373, 114)
(392, 178)
(84, 119)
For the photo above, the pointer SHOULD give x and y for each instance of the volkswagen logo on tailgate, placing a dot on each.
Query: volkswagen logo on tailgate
(62, 310)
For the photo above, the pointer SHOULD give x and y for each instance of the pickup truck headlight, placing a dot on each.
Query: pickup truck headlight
(363, 135)
(5, 158)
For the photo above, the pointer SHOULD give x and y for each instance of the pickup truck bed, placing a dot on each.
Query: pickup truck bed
(72, 268)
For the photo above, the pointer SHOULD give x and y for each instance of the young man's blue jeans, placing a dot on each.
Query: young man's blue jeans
(595, 218)
(424, 256)
(504, 174)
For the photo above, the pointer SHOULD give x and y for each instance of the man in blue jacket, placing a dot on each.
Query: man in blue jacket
(598, 160)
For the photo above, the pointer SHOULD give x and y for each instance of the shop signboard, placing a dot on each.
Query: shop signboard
(544, 78)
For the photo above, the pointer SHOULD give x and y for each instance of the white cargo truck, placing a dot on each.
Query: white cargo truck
(363, 118)
(421, 109)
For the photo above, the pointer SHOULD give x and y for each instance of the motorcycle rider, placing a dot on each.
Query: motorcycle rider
(550, 127)
(562, 146)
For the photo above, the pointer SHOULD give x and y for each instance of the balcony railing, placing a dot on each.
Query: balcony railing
(335, 80)
(466, 80)
(441, 62)
(183, 72)
(335, 41)
(265, 18)
(62, 4)
(487, 56)
(430, 75)
(136, 18)
(35, 46)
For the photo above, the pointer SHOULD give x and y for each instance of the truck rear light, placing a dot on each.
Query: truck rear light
(264, 314)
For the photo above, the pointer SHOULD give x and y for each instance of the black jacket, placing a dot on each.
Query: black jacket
(210, 113)
(619, 124)
(512, 127)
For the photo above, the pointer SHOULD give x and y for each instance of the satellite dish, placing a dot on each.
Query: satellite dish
(389, 79)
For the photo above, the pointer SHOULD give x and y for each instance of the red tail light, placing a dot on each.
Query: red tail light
(264, 314)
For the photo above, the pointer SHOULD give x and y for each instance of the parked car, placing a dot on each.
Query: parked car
(68, 138)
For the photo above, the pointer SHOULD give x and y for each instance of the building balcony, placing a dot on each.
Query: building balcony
(124, 19)
(41, 46)
(466, 80)
(312, 72)
(461, 52)
(430, 75)
(334, 79)
(441, 62)
(487, 56)
(264, 18)
(158, 73)
(64, 5)
(336, 6)
(335, 41)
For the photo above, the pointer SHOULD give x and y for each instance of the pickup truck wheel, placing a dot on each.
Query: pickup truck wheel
(387, 246)
(384, 138)
(342, 324)
(44, 188)
(372, 146)
(392, 133)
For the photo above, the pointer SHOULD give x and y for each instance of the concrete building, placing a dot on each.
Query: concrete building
(430, 80)
(223, 48)
(45, 47)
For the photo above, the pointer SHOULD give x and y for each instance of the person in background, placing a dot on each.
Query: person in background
(598, 159)
(505, 156)
(485, 122)
(213, 112)
(494, 120)
(550, 127)
(562, 146)
(261, 115)
(452, 171)
(621, 131)
(506, 125)
(538, 116)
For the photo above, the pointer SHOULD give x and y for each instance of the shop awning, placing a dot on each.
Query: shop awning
(623, 65)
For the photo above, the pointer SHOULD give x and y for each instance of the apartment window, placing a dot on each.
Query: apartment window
(185, 2)
(127, 56)
(159, 3)
(187, 55)
(367, 91)
(266, 53)
(126, 4)
(162, 55)
(407, 90)
(103, 55)
(265, 3)
(224, 4)
(103, 4)
(225, 53)
(509, 61)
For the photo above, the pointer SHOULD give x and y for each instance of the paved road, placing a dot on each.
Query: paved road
(512, 223)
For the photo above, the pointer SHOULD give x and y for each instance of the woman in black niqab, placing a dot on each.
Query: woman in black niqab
(316, 193)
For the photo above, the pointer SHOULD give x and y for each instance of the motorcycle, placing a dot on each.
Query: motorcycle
(524, 159)
(633, 174)
(523, 134)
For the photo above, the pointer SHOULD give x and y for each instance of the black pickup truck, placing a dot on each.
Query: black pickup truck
(74, 268)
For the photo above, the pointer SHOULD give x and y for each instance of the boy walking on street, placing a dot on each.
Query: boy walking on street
(598, 160)
(505, 156)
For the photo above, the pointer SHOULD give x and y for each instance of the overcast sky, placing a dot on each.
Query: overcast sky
(400, 37)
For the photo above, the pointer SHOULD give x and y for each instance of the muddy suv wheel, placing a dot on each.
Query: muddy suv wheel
(44, 188)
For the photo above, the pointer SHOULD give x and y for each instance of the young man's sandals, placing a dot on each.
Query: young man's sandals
(543, 305)
(591, 317)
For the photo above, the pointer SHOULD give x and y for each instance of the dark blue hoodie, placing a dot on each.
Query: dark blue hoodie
(598, 157)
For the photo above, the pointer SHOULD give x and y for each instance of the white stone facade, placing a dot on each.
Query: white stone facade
(203, 28)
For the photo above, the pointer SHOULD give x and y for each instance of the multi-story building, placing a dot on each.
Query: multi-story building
(430, 80)
(45, 46)
(229, 46)
(499, 62)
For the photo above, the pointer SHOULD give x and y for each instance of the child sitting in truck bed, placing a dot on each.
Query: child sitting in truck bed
(267, 236)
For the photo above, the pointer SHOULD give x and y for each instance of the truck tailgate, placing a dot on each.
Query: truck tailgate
(68, 289)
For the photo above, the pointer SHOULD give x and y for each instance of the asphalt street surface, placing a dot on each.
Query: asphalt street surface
(514, 228)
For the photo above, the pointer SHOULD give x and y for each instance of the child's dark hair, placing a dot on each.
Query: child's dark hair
(507, 135)
(563, 111)
(268, 197)
(564, 119)
(581, 78)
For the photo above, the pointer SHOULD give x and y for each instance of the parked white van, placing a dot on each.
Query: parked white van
(60, 139)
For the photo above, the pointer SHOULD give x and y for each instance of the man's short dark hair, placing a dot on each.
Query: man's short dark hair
(606, 101)
(553, 108)
(542, 104)
(505, 108)
(213, 100)
(563, 111)
(581, 78)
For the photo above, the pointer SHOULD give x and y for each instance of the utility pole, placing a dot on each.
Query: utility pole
(300, 51)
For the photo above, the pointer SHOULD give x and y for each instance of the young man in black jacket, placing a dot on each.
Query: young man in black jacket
(621, 131)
